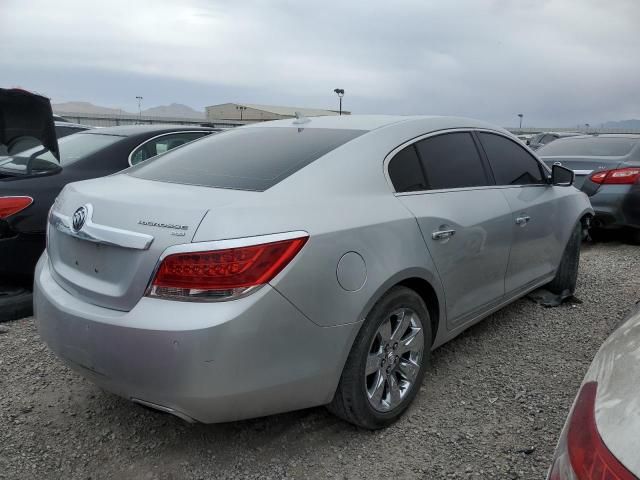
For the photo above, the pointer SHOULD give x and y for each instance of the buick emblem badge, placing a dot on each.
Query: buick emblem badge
(79, 217)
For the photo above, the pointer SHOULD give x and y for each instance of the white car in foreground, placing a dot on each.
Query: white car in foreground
(601, 439)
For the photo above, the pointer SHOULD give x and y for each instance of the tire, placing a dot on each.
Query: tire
(634, 236)
(15, 303)
(599, 235)
(402, 309)
(564, 283)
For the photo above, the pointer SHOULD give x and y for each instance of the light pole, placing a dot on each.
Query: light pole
(139, 98)
(241, 108)
(521, 115)
(340, 93)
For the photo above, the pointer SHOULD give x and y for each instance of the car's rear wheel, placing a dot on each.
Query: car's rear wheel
(599, 234)
(387, 362)
(564, 283)
(634, 236)
(15, 303)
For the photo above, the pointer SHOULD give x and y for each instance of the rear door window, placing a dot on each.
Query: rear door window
(511, 163)
(248, 158)
(452, 160)
(405, 171)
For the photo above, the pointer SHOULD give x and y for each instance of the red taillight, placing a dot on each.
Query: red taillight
(222, 274)
(582, 454)
(12, 205)
(619, 176)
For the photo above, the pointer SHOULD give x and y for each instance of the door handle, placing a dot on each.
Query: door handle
(443, 234)
(522, 220)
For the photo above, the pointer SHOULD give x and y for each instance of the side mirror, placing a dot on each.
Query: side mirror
(561, 176)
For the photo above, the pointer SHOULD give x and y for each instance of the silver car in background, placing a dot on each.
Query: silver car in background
(298, 263)
(607, 169)
(601, 438)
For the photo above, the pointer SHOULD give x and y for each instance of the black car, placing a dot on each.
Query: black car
(607, 169)
(20, 144)
(30, 182)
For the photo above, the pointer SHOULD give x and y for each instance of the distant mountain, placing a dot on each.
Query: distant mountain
(85, 107)
(623, 124)
(173, 110)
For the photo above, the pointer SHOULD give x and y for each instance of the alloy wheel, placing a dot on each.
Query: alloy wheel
(394, 359)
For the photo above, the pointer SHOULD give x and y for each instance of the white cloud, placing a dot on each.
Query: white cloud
(558, 61)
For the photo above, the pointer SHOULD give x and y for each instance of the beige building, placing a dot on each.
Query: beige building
(249, 112)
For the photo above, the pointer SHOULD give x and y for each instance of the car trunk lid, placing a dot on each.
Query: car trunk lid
(583, 166)
(107, 257)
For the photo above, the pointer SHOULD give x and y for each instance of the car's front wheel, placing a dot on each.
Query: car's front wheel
(387, 362)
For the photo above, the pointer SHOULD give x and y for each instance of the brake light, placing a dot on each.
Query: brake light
(222, 274)
(619, 176)
(581, 453)
(12, 205)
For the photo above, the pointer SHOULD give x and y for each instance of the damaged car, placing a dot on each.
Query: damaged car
(297, 263)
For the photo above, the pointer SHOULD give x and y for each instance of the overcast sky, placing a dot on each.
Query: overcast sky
(560, 62)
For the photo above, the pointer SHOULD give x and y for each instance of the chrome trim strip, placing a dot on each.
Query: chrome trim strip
(583, 172)
(396, 150)
(463, 189)
(162, 408)
(18, 196)
(206, 133)
(103, 234)
(231, 243)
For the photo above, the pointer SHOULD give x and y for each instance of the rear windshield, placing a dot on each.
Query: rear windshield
(589, 147)
(72, 148)
(246, 158)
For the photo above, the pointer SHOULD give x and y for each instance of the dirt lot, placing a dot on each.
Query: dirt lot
(491, 406)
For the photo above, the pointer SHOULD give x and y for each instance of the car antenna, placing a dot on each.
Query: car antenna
(300, 118)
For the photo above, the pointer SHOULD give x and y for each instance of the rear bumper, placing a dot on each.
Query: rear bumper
(616, 206)
(211, 362)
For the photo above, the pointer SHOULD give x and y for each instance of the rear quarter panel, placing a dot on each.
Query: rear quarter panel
(345, 204)
(375, 226)
(572, 206)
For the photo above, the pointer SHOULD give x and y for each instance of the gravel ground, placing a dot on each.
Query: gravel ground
(491, 406)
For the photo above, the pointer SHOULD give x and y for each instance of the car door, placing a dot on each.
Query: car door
(161, 144)
(464, 219)
(535, 209)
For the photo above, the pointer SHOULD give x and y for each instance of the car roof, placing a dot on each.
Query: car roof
(72, 125)
(633, 136)
(561, 134)
(373, 122)
(130, 130)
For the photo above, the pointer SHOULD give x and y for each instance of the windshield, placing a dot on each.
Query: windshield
(72, 149)
(589, 147)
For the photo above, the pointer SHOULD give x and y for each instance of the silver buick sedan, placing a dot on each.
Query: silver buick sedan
(301, 262)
